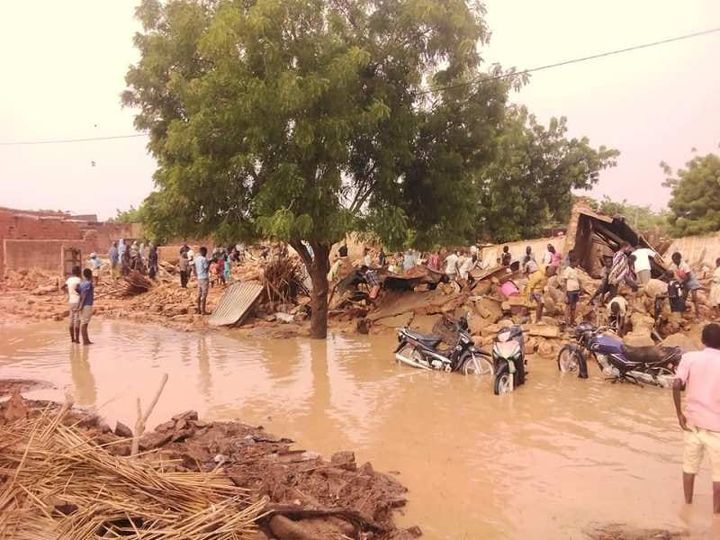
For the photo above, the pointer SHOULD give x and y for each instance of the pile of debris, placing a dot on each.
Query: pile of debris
(214, 480)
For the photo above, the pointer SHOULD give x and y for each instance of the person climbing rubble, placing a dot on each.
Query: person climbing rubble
(687, 278)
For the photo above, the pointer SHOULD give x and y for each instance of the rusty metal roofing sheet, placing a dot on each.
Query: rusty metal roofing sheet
(235, 303)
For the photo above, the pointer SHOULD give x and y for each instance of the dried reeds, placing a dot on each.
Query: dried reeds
(57, 483)
(283, 280)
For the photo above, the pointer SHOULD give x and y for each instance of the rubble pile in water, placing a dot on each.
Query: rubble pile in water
(66, 471)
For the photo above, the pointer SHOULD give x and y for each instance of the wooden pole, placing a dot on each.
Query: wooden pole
(142, 418)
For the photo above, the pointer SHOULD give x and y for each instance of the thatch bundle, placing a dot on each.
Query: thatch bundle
(56, 483)
(136, 283)
(283, 280)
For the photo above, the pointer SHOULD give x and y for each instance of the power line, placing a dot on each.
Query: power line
(63, 141)
(448, 87)
(576, 60)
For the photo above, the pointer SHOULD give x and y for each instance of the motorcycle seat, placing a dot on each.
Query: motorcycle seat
(652, 355)
(430, 340)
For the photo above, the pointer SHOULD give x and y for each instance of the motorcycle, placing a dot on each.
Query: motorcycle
(423, 351)
(508, 354)
(619, 362)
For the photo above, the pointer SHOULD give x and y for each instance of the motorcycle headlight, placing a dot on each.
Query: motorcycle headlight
(506, 349)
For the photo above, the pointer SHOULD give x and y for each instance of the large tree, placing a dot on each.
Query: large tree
(529, 184)
(305, 119)
(695, 200)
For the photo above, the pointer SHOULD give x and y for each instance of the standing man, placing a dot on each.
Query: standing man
(72, 286)
(571, 278)
(506, 257)
(201, 272)
(114, 256)
(451, 265)
(94, 263)
(85, 306)
(152, 261)
(643, 257)
(620, 270)
(699, 375)
(184, 269)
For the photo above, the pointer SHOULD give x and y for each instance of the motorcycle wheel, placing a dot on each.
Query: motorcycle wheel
(411, 353)
(475, 364)
(567, 360)
(503, 383)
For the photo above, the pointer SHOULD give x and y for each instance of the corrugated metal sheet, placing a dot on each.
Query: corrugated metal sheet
(235, 303)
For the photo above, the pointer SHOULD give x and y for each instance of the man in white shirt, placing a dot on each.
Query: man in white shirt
(643, 256)
(72, 286)
(451, 266)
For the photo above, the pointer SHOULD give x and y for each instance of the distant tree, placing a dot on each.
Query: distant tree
(131, 215)
(529, 185)
(695, 199)
(303, 120)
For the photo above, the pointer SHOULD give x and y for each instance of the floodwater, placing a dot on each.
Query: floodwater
(542, 463)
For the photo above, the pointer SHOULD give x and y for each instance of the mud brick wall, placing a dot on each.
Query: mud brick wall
(54, 227)
(43, 254)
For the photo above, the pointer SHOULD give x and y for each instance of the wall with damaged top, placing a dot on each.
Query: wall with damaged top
(697, 250)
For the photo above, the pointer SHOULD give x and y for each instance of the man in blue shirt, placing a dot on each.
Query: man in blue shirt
(201, 271)
(85, 305)
(114, 256)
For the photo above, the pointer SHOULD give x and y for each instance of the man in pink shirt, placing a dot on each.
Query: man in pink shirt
(699, 375)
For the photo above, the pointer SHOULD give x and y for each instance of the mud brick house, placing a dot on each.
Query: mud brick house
(40, 239)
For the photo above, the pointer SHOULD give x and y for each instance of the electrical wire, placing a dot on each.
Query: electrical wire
(574, 60)
(63, 141)
(438, 89)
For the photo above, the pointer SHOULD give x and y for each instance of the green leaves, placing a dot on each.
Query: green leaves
(530, 182)
(695, 201)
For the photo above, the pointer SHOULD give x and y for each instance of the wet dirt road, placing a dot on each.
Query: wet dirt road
(543, 463)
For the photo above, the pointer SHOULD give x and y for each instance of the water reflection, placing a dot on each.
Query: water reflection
(542, 463)
(84, 388)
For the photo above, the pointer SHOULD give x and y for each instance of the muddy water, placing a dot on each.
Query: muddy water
(542, 463)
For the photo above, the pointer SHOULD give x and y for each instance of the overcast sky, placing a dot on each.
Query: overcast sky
(64, 65)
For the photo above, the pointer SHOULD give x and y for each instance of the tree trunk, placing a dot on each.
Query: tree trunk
(318, 267)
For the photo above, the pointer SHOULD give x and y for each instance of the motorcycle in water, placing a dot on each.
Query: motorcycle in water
(423, 351)
(508, 354)
(650, 365)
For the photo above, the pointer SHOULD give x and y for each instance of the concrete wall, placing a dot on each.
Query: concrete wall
(697, 249)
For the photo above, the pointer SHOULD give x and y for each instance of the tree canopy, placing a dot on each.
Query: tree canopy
(695, 199)
(529, 184)
(306, 119)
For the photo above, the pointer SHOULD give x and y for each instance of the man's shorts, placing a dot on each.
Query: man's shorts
(572, 297)
(74, 315)
(203, 285)
(86, 314)
(697, 442)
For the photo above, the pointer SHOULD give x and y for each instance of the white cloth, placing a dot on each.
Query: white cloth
(715, 288)
(621, 302)
(466, 266)
(547, 258)
(571, 278)
(642, 259)
(73, 287)
(451, 264)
